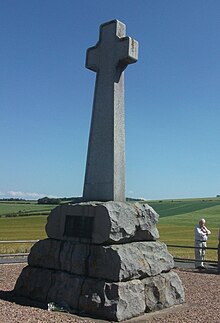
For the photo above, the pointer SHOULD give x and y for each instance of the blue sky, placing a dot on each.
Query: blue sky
(172, 96)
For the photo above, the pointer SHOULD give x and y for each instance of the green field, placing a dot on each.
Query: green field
(23, 208)
(22, 220)
(21, 228)
(176, 223)
(178, 219)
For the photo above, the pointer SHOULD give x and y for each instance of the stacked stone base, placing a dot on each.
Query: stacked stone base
(115, 301)
(110, 281)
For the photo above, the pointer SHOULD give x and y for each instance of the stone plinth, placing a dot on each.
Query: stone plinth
(103, 223)
(109, 266)
(112, 263)
(115, 301)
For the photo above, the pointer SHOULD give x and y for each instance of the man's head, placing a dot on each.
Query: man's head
(202, 222)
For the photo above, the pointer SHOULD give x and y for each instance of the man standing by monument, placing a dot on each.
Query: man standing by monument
(201, 236)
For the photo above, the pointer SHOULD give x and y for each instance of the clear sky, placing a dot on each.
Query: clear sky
(172, 96)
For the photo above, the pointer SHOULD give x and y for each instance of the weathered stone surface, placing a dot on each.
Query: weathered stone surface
(34, 283)
(103, 223)
(110, 263)
(95, 297)
(47, 285)
(162, 291)
(60, 255)
(113, 301)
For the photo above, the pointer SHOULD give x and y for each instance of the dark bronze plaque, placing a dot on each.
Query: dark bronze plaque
(78, 227)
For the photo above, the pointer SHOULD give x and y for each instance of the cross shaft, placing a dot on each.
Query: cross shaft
(105, 168)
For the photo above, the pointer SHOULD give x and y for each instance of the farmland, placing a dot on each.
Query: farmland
(22, 208)
(22, 221)
(178, 219)
(176, 223)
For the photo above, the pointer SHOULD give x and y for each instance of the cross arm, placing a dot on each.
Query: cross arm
(128, 48)
(92, 55)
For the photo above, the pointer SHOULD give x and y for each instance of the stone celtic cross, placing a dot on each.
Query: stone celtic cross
(105, 168)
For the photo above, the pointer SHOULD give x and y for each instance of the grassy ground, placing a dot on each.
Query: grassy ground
(21, 228)
(176, 207)
(178, 219)
(23, 208)
(176, 224)
(22, 220)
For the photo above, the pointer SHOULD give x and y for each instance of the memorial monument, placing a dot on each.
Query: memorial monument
(105, 168)
(102, 257)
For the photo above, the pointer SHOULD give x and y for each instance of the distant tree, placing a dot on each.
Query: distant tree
(48, 200)
(12, 199)
(131, 199)
(60, 200)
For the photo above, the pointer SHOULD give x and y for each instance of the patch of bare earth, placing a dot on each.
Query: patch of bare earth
(202, 302)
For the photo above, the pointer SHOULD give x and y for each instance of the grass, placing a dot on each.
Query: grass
(175, 207)
(176, 224)
(21, 228)
(23, 208)
(179, 229)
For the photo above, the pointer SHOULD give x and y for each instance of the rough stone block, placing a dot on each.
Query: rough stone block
(112, 301)
(116, 301)
(162, 291)
(103, 223)
(66, 289)
(111, 263)
(34, 283)
(60, 255)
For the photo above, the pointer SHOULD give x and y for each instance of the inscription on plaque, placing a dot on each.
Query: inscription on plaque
(78, 227)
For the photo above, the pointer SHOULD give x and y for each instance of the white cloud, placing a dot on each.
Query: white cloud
(25, 195)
